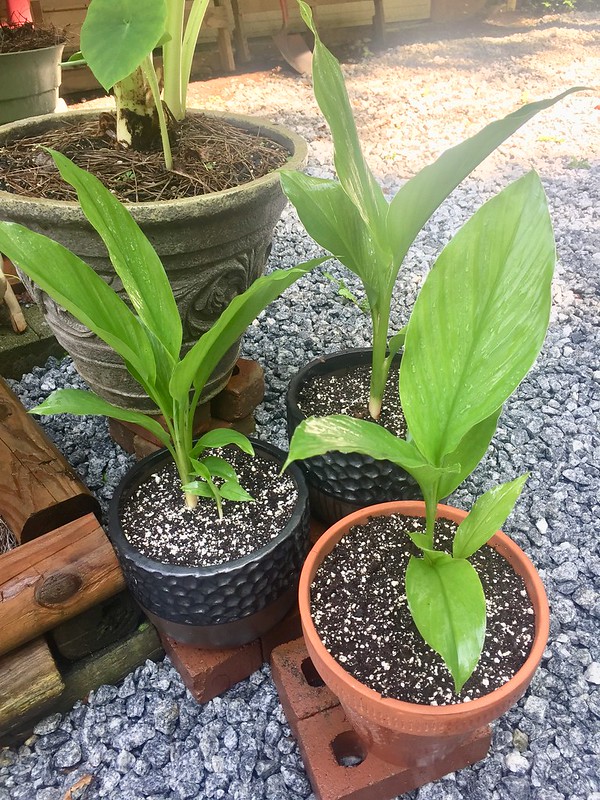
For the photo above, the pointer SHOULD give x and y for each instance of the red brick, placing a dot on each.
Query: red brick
(317, 529)
(143, 447)
(243, 392)
(208, 673)
(299, 699)
(317, 720)
(121, 434)
(373, 779)
(246, 425)
(285, 631)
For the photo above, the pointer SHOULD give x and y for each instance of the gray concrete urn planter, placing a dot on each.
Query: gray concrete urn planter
(29, 82)
(212, 247)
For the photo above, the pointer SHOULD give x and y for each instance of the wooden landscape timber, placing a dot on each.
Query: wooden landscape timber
(58, 686)
(62, 579)
(39, 490)
(53, 578)
(30, 680)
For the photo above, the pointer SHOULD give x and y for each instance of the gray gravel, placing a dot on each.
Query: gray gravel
(147, 738)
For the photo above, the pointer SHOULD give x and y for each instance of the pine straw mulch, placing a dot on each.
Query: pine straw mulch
(18, 38)
(209, 155)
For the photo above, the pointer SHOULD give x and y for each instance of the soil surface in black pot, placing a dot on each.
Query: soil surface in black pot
(348, 393)
(156, 521)
(19, 38)
(209, 155)
(360, 611)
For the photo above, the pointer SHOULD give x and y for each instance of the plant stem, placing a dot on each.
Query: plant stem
(182, 443)
(136, 114)
(190, 39)
(379, 367)
(150, 75)
(430, 497)
(172, 59)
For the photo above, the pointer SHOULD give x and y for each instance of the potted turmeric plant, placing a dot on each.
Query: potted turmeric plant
(353, 221)
(203, 187)
(426, 621)
(211, 546)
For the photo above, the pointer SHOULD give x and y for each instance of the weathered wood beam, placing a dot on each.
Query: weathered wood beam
(53, 578)
(30, 682)
(39, 490)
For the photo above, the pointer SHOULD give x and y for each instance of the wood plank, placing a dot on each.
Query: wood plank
(39, 491)
(109, 666)
(54, 578)
(98, 627)
(30, 682)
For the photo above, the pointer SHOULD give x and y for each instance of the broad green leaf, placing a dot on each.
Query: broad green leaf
(479, 320)
(117, 35)
(233, 490)
(196, 465)
(421, 195)
(318, 435)
(199, 488)
(221, 437)
(333, 221)
(165, 363)
(352, 170)
(198, 364)
(82, 402)
(202, 471)
(133, 257)
(219, 468)
(76, 58)
(77, 288)
(486, 517)
(447, 604)
(419, 539)
(472, 448)
(396, 343)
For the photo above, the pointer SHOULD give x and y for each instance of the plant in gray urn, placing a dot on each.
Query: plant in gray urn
(213, 245)
(201, 573)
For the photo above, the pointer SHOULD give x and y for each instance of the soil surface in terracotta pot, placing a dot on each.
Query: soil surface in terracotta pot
(360, 612)
(209, 155)
(348, 393)
(157, 523)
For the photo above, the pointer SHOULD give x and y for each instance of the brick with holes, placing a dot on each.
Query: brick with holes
(336, 760)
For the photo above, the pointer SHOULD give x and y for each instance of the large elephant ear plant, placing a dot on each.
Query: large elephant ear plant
(476, 328)
(117, 40)
(147, 336)
(351, 218)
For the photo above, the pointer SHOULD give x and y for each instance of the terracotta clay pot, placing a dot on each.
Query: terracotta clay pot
(408, 734)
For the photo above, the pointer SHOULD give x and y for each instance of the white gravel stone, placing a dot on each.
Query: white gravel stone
(592, 673)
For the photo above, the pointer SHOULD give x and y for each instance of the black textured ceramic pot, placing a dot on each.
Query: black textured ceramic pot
(341, 483)
(225, 605)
